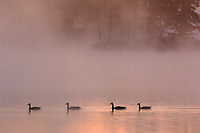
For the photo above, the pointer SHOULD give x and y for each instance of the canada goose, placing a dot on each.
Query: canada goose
(33, 108)
(117, 107)
(144, 107)
(72, 107)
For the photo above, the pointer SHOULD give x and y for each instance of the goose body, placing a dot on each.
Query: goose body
(72, 107)
(117, 107)
(33, 108)
(144, 107)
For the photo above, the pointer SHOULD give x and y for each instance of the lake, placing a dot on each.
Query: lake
(169, 81)
(99, 120)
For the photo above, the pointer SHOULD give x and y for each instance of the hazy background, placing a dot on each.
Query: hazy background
(55, 75)
(43, 63)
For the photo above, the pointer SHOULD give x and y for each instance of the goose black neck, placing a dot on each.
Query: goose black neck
(29, 106)
(112, 106)
(67, 106)
(139, 106)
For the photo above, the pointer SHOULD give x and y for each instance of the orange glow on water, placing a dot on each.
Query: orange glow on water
(98, 121)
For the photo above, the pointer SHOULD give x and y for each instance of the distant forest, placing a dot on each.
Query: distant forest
(132, 23)
(104, 24)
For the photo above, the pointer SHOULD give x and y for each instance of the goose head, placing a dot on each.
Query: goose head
(29, 104)
(67, 104)
(138, 104)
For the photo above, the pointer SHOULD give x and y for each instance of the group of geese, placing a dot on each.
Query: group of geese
(78, 108)
(121, 107)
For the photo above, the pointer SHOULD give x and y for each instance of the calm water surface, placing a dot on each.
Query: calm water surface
(91, 79)
(99, 120)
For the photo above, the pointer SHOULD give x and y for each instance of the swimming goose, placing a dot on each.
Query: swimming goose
(144, 107)
(33, 108)
(72, 107)
(117, 107)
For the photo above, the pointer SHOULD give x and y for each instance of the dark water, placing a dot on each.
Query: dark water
(100, 120)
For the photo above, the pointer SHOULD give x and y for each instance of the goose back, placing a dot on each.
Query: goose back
(117, 107)
(72, 107)
(33, 108)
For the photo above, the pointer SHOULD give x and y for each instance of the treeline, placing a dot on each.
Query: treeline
(131, 23)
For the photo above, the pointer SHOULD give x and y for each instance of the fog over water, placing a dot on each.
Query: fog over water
(93, 52)
(52, 76)
(38, 64)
